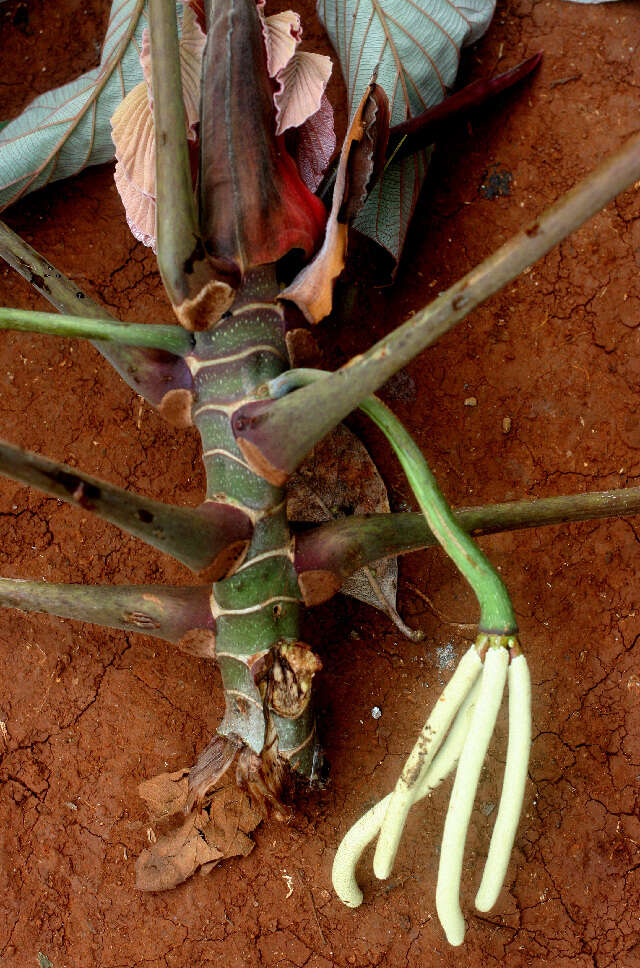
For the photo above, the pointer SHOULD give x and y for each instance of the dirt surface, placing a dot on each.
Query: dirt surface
(87, 714)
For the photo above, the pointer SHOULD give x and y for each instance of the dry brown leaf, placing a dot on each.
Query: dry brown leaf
(165, 794)
(302, 348)
(336, 480)
(204, 839)
(174, 858)
(312, 288)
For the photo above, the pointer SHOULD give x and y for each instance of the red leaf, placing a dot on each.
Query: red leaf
(198, 8)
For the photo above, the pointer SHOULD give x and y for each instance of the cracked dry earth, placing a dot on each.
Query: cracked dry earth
(553, 365)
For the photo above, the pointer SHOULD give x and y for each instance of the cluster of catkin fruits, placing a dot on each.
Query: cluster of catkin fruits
(461, 725)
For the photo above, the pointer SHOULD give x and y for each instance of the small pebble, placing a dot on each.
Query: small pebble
(506, 425)
(471, 402)
(376, 712)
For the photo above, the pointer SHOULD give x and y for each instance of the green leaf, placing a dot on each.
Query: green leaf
(65, 130)
(415, 45)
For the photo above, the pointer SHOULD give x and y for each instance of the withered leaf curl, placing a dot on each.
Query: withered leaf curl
(204, 838)
(360, 163)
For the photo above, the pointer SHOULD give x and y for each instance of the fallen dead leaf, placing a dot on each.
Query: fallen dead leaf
(165, 794)
(220, 831)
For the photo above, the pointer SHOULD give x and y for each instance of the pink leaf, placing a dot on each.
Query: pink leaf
(282, 33)
(299, 98)
(302, 83)
(140, 209)
(192, 41)
(316, 142)
(133, 132)
(192, 44)
(135, 175)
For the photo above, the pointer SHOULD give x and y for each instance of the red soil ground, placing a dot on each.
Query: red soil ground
(87, 714)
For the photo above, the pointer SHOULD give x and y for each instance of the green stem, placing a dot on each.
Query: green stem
(276, 435)
(496, 611)
(176, 220)
(170, 338)
(166, 613)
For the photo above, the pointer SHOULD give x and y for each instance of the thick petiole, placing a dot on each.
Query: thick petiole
(515, 777)
(416, 767)
(464, 791)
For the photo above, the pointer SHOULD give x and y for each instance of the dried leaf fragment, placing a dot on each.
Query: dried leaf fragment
(174, 858)
(364, 146)
(221, 830)
(165, 794)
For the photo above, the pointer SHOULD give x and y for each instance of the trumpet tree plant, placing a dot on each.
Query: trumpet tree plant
(231, 180)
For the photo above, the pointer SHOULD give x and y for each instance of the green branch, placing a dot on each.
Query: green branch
(325, 556)
(151, 373)
(172, 339)
(166, 613)
(193, 536)
(275, 436)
